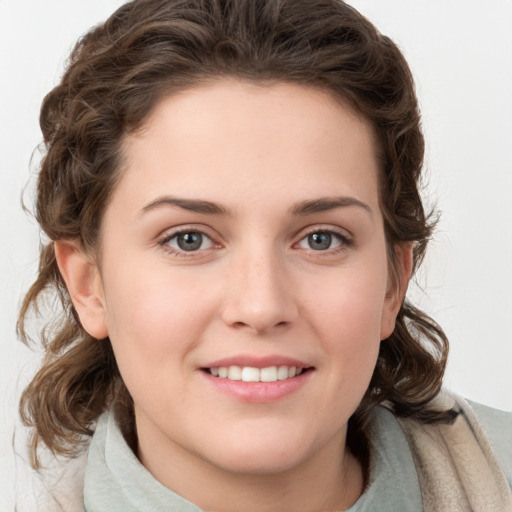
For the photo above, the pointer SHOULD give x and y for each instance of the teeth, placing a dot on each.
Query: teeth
(282, 373)
(250, 374)
(235, 373)
(268, 374)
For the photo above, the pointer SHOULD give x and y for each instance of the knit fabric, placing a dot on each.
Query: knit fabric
(456, 466)
(413, 467)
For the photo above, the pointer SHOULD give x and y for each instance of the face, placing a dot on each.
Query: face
(244, 282)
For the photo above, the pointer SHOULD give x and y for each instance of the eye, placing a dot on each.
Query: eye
(322, 241)
(188, 241)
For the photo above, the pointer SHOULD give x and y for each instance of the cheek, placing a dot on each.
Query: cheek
(347, 317)
(154, 318)
(353, 302)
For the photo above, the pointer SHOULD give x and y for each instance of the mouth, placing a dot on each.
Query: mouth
(258, 379)
(253, 374)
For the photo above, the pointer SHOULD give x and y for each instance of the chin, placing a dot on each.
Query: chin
(261, 455)
(259, 464)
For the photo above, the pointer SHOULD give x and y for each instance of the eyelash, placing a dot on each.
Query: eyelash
(344, 241)
(164, 242)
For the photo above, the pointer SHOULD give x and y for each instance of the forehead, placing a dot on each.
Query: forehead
(230, 103)
(228, 135)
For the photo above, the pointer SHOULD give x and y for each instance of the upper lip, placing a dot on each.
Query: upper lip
(253, 361)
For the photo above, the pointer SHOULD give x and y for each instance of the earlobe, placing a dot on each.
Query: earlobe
(397, 287)
(84, 285)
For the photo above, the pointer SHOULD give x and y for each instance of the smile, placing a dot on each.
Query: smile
(251, 374)
(258, 379)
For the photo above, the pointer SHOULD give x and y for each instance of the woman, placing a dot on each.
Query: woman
(230, 192)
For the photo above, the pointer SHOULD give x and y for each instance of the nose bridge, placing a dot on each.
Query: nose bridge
(260, 295)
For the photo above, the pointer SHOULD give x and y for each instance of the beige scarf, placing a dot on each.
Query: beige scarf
(456, 467)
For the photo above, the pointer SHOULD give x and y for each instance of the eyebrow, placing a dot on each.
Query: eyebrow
(192, 205)
(324, 204)
(303, 208)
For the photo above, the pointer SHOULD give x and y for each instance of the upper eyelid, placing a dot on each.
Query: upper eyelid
(320, 228)
(169, 233)
(164, 242)
(346, 240)
(170, 236)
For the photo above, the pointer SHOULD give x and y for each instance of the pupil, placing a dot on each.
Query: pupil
(189, 241)
(319, 241)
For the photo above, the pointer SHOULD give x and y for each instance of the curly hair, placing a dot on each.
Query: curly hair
(115, 75)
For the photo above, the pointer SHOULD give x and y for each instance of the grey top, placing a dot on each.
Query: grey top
(115, 481)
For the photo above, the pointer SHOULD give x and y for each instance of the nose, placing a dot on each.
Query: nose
(259, 294)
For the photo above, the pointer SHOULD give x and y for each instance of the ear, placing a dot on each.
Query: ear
(397, 286)
(84, 285)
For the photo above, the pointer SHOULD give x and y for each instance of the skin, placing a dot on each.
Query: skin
(254, 287)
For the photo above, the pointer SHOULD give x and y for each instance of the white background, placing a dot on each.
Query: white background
(461, 54)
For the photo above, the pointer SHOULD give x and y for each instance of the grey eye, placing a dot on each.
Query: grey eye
(321, 241)
(190, 241)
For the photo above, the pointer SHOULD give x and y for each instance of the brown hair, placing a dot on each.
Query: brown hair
(116, 74)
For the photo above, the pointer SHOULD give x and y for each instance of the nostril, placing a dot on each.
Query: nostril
(259, 327)
(239, 325)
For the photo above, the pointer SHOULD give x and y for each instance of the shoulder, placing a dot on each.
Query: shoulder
(497, 426)
(468, 460)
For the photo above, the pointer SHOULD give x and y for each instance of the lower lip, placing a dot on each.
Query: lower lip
(259, 392)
